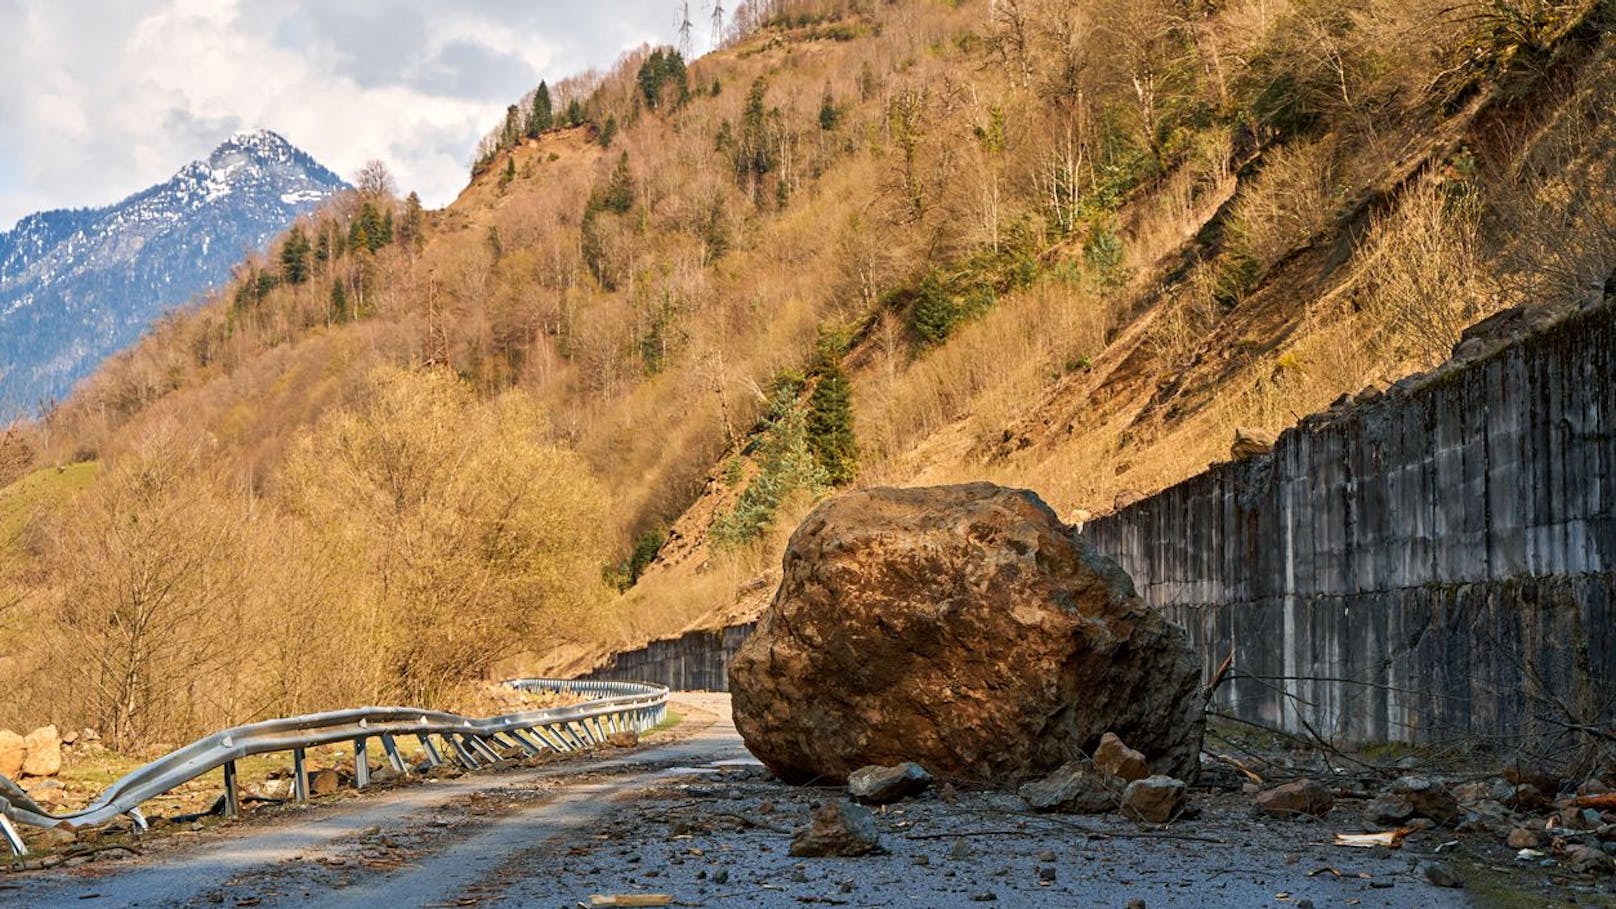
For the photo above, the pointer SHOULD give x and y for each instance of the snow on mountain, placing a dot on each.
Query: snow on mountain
(79, 285)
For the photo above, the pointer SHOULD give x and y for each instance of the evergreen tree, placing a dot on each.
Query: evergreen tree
(830, 424)
(575, 113)
(607, 133)
(410, 231)
(754, 153)
(542, 117)
(619, 195)
(322, 247)
(512, 133)
(339, 301)
(295, 256)
(829, 115)
(661, 75)
(509, 174)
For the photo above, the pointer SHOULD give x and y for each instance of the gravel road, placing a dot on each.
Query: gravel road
(696, 818)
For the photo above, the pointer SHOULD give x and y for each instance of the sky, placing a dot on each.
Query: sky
(102, 98)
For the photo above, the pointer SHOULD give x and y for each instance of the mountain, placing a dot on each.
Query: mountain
(76, 286)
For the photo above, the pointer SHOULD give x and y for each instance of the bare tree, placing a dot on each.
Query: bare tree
(375, 180)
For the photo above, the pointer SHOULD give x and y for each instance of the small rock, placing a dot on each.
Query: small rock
(1048, 855)
(42, 752)
(58, 837)
(1251, 443)
(1076, 788)
(1136, 904)
(721, 876)
(986, 896)
(1046, 874)
(1156, 799)
(837, 829)
(1586, 859)
(1523, 838)
(1296, 798)
(878, 785)
(1304, 904)
(324, 782)
(922, 860)
(960, 850)
(628, 738)
(1441, 875)
(1117, 759)
(1423, 797)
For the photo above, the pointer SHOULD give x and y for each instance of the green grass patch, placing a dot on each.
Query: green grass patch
(40, 490)
(668, 722)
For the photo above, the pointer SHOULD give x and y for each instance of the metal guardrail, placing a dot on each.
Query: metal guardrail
(614, 707)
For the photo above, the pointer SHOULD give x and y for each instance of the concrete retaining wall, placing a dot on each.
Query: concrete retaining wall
(1432, 565)
(698, 661)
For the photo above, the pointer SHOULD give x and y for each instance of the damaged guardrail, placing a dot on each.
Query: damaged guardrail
(614, 707)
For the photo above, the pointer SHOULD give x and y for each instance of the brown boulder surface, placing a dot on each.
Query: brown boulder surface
(965, 628)
(43, 752)
(11, 754)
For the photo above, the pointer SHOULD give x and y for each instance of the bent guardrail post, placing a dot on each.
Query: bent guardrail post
(300, 775)
(433, 758)
(393, 757)
(232, 802)
(361, 762)
(13, 838)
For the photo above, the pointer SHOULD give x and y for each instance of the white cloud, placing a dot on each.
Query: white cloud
(106, 97)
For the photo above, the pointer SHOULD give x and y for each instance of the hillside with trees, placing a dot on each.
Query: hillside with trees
(1068, 246)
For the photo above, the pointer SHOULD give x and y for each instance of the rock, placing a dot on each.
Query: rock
(628, 738)
(962, 627)
(42, 752)
(1125, 498)
(57, 837)
(1157, 799)
(1296, 798)
(837, 829)
(1526, 797)
(877, 785)
(324, 782)
(11, 754)
(1388, 810)
(1524, 773)
(1416, 796)
(1075, 788)
(1523, 838)
(1120, 761)
(1136, 904)
(1251, 443)
(1441, 875)
(1588, 860)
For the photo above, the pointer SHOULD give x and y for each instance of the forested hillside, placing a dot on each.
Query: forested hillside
(1068, 246)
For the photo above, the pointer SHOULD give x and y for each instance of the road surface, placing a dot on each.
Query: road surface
(696, 819)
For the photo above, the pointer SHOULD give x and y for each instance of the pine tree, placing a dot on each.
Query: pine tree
(295, 256)
(575, 113)
(829, 115)
(607, 133)
(410, 230)
(339, 301)
(512, 133)
(542, 117)
(830, 424)
(619, 195)
(509, 174)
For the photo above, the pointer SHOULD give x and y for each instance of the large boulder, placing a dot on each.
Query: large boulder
(965, 628)
(43, 750)
(11, 754)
